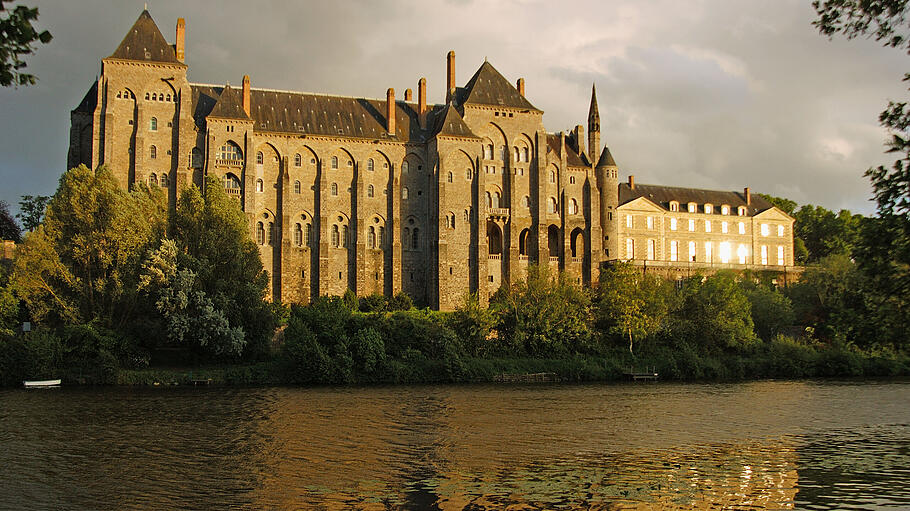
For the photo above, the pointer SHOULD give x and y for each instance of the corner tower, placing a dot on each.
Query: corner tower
(607, 177)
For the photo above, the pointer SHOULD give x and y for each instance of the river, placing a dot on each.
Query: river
(755, 445)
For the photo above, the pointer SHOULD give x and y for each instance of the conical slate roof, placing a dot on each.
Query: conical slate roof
(606, 159)
(145, 42)
(228, 106)
(449, 122)
(489, 87)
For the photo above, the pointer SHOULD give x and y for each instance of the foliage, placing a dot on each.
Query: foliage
(715, 313)
(829, 298)
(772, 311)
(474, 325)
(786, 205)
(631, 304)
(9, 311)
(9, 229)
(350, 300)
(17, 37)
(400, 302)
(32, 208)
(373, 303)
(826, 233)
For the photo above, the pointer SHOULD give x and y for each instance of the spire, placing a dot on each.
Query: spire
(593, 114)
(593, 126)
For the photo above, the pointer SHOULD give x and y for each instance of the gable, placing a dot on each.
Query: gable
(641, 204)
(773, 213)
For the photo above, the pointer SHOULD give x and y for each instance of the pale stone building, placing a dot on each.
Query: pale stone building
(384, 195)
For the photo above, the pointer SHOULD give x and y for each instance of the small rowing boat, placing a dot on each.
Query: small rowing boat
(41, 383)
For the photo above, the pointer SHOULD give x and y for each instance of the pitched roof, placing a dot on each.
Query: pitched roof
(573, 159)
(228, 106)
(489, 87)
(315, 114)
(606, 159)
(449, 122)
(90, 100)
(662, 195)
(145, 42)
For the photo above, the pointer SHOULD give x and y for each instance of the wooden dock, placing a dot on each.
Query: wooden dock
(647, 375)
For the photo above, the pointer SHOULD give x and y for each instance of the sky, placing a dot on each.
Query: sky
(717, 94)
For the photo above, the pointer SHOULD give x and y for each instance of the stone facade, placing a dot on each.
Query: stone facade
(376, 195)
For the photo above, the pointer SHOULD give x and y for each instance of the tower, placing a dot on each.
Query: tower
(593, 127)
(607, 177)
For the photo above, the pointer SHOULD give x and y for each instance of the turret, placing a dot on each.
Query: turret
(593, 126)
(607, 179)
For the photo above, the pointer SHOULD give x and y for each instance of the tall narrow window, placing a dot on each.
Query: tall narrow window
(344, 239)
(488, 152)
(370, 164)
(450, 177)
(153, 124)
(725, 252)
(371, 237)
(405, 168)
(496, 198)
(153, 179)
(672, 224)
(524, 154)
(404, 193)
(415, 239)
(334, 162)
(298, 235)
(691, 224)
(153, 152)
(780, 255)
(552, 176)
(165, 181)
(764, 254)
(259, 186)
(552, 205)
(297, 160)
(260, 233)
(780, 230)
(674, 250)
(742, 228)
(334, 189)
(381, 236)
(628, 221)
(370, 190)
(503, 153)
(335, 236)
(709, 256)
(651, 244)
(573, 207)
(692, 254)
(707, 226)
(526, 202)
(308, 235)
(742, 253)
(650, 223)
(489, 200)
(724, 227)
(630, 248)
(259, 158)
(271, 233)
(516, 154)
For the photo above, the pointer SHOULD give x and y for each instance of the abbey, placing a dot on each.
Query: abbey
(389, 195)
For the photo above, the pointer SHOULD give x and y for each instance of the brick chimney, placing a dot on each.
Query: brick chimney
(181, 35)
(390, 111)
(246, 94)
(579, 135)
(631, 182)
(422, 101)
(450, 76)
(748, 194)
(408, 95)
(521, 86)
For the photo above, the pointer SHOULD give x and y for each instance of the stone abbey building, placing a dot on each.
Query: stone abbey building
(389, 195)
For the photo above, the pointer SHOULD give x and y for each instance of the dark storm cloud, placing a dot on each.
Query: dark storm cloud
(720, 94)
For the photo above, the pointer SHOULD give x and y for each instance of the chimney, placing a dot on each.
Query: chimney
(408, 95)
(390, 111)
(246, 94)
(748, 195)
(579, 134)
(631, 182)
(450, 76)
(521, 86)
(181, 34)
(422, 101)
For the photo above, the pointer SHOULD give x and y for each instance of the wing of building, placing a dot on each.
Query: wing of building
(389, 195)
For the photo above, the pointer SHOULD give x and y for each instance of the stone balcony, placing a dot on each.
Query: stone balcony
(498, 213)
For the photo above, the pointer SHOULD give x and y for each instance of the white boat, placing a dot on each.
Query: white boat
(41, 383)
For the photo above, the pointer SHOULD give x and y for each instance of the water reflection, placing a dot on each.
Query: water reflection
(767, 445)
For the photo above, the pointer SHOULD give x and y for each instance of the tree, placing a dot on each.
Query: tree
(17, 37)
(826, 233)
(473, 324)
(786, 205)
(9, 230)
(631, 304)
(716, 313)
(32, 211)
(771, 310)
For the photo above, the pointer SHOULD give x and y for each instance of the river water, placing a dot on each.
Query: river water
(758, 445)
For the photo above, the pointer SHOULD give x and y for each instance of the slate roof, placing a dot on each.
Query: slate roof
(606, 158)
(449, 122)
(145, 42)
(573, 159)
(315, 114)
(90, 101)
(489, 87)
(229, 105)
(662, 195)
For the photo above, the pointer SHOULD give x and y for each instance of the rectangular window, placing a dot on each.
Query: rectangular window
(629, 221)
(707, 226)
(650, 222)
(708, 254)
(630, 248)
(651, 250)
(674, 250)
(780, 255)
(672, 224)
(780, 230)
(725, 252)
(742, 228)
(692, 251)
(742, 252)
(724, 227)
(765, 230)
(764, 254)
(691, 224)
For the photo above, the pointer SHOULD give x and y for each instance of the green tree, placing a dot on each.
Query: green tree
(830, 298)
(772, 311)
(826, 233)
(400, 302)
(786, 205)
(473, 324)
(9, 230)
(17, 39)
(32, 209)
(212, 237)
(715, 313)
(631, 304)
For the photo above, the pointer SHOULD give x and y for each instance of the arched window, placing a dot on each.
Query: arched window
(552, 176)
(153, 152)
(452, 219)
(370, 164)
(415, 239)
(741, 211)
(516, 153)
(153, 180)
(404, 168)
(674, 206)
(259, 186)
(259, 158)
(146, 96)
(370, 190)
(524, 154)
(406, 237)
(334, 189)
(381, 236)
(467, 216)
(297, 160)
(496, 198)
(334, 162)
(725, 210)
(308, 235)
(488, 152)
(297, 187)
(229, 151)
(168, 97)
(260, 233)
(551, 205)
(503, 153)
(404, 193)
(371, 237)
(523, 242)
(469, 174)
(153, 124)
(165, 181)
(526, 202)
(271, 233)
(344, 238)
(154, 96)
(450, 177)
(573, 207)
(489, 200)
(298, 235)
(571, 180)
(231, 182)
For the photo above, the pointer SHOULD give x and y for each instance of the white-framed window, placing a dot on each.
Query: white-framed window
(674, 250)
(764, 254)
(724, 227)
(742, 252)
(742, 228)
(780, 230)
(259, 185)
(741, 211)
(709, 208)
(692, 224)
(692, 254)
(650, 222)
(725, 252)
(692, 207)
(651, 245)
(629, 221)
(630, 248)
(672, 223)
(780, 255)
(674, 206)
(765, 230)
(707, 226)
(725, 210)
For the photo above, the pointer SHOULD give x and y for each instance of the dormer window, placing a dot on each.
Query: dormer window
(741, 211)
(674, 206)
(692, 207)
(725, 210)
(709, 209)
